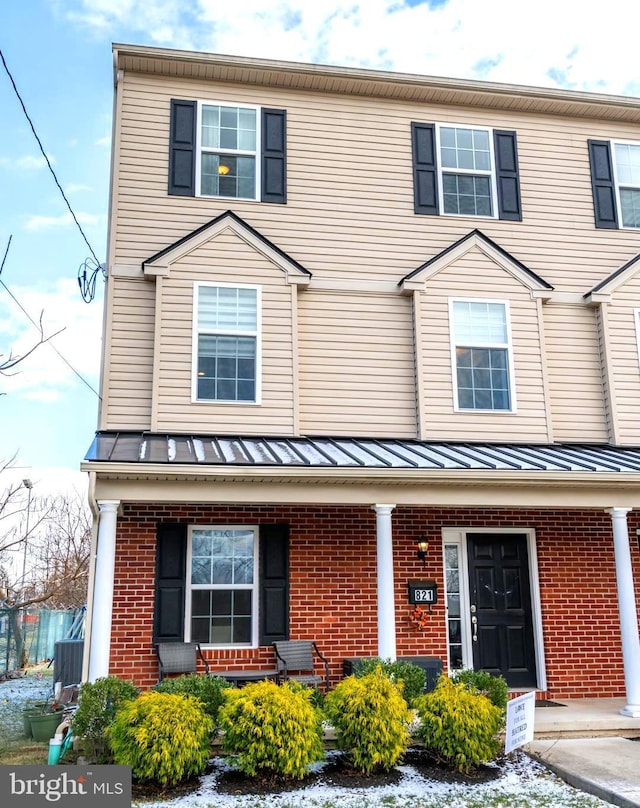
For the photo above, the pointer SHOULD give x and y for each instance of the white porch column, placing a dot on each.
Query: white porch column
(386, 600)
(103, 590)
(628, 611)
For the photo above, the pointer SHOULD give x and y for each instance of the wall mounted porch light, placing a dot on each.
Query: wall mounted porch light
(423, 549)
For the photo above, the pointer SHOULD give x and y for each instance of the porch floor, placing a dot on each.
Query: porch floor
(585, 718)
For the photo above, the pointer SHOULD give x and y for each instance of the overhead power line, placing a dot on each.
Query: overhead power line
(33, 322)
(86, 287)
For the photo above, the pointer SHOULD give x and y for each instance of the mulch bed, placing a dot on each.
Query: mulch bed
(335, 772)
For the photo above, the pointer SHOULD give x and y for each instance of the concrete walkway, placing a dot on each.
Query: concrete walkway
(588, 744)
(606, 767)
(585, 718)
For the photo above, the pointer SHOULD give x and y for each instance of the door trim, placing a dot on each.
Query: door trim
(458, 536)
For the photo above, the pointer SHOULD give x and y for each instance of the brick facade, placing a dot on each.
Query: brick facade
(333, 586)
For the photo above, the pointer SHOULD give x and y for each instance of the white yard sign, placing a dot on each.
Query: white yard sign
(520, 719)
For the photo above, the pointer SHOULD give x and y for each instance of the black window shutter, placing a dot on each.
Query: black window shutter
(602, 184)
(182, 148)
(171, 569)
(274, 156)
(274, 583)
(507, 179)
(425, 168)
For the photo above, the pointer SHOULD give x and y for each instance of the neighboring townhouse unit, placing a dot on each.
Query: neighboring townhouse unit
(350, 311)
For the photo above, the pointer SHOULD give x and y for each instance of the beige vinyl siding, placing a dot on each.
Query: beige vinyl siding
(127, 402)
(356, 364)
(474, 275)
(350, 195)
(349, 220)
(625, 367)
(575, 373)
(227, 259)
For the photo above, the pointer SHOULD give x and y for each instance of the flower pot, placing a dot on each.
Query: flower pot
(34, 708)
(26, 720)
(44, 725)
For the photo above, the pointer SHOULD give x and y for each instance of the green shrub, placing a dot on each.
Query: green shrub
(495, 688)
(458, 725)
(97, 705)
(273, 729)
(371, 718)
(411, 675)
(208, 689)
(164, 737)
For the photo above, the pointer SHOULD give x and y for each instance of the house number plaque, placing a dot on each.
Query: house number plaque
(423, 592)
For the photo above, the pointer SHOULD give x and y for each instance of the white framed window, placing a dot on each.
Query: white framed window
(626, 168)
(227, 162)
(227, 343)
(636, 318)
(222, 586)
(481, 355)
(466, 170)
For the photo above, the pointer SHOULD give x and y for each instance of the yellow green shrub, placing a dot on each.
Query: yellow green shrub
(371, 720)
(272, 729)
(164, 737)
(458, 725)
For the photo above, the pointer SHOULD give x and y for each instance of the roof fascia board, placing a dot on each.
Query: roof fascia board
(313, 474)
(337, 79)
(617, 279)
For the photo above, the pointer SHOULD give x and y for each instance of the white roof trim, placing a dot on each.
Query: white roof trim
(161, 265)
(475, 240)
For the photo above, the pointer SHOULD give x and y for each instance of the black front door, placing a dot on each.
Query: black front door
(500, 606)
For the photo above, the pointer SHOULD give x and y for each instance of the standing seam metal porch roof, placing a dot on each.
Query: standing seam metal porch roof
(342, 452)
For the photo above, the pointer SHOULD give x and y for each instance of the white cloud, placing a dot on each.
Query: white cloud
(76, 187)
(36, 223)
(28, 162)
(46, 481)
(43, 375)
(548, 43)
(104, 141)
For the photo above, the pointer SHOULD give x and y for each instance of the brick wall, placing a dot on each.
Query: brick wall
(333, 586)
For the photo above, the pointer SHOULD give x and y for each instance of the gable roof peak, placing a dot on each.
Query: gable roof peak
(160, 263)
(475, 238)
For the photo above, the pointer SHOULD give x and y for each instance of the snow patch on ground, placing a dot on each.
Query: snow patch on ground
(18, 693)
(523, 783)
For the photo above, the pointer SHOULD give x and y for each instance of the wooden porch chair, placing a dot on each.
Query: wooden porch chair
(295, 660)
(179, 657)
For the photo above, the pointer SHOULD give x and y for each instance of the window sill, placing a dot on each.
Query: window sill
(226, 402)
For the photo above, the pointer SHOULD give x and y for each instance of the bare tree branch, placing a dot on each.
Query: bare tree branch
(52, 534)
(13, 360)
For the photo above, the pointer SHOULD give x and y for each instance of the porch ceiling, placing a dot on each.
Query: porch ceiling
(226, 468)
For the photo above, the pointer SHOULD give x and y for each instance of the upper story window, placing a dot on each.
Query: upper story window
(481, 355)
(465, 171)
(227, 343)
(232, 151)
(466, 176)
(615, 182)
(627, 172)
(222, 585)
(228, 151)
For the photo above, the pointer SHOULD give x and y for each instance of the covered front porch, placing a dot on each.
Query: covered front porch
(354, 520)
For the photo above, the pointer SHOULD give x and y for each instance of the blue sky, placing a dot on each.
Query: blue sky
(59, 53)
